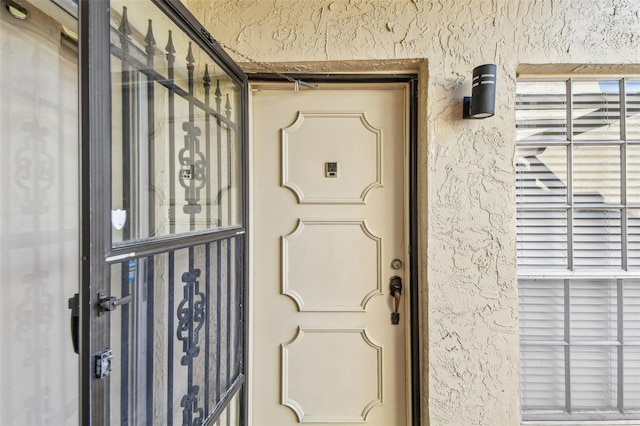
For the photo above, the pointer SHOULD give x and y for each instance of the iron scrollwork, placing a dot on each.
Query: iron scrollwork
(191, 318)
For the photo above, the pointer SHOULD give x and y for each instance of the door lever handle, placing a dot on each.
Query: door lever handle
(395, 286)
(108, 304)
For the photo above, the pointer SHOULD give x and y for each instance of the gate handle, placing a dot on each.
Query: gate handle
(74, 305)
(395, 285)
(107, 304)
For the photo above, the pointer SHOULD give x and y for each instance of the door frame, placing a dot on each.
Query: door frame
(411, 201)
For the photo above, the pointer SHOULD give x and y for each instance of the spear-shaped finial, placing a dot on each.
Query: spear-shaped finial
(149, 40)
(124, 29)
(169, 48)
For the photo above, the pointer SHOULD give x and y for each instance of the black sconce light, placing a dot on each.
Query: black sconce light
(482, 103)
(17, 10)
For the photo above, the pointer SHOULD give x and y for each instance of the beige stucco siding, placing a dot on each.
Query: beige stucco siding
(467, 193)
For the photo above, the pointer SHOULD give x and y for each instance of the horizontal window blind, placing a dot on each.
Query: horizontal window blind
(596, 238)
(633, 238)
(632, 104)
(578, 243)
(631, 332)
(596, 110)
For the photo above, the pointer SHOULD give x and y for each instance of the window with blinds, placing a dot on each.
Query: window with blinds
(578, 242)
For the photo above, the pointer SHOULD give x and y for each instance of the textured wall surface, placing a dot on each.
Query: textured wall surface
(470, 372)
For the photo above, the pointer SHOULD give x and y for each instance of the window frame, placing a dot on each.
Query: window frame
(573, 273)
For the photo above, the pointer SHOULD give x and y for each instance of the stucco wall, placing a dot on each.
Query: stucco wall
(470, 303)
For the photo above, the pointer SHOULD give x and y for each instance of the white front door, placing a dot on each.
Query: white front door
(329, 238)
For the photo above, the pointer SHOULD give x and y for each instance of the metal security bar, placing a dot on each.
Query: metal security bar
(200, 167)
(188, 337)
(177, 162)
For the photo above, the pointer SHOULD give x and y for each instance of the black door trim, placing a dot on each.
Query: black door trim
(412, 80)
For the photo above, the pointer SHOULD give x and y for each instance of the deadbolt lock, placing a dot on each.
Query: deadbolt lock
(103, 363)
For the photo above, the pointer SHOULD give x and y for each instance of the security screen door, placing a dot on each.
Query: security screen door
(162, 305)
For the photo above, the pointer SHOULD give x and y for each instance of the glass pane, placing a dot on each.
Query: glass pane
(594, 311)
(541, 314)
(541, 111)
(231, 415)
(39, 221)
(542, 239)
(594, 380)
(176, 130)
(227, 354)
(597, 239)
(633, 109)
(596, 110)
(541, 175)
(178, 345)
(542, 373)
(596, 174)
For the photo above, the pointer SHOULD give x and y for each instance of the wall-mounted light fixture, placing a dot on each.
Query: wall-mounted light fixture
(17, 10)
(482, 103)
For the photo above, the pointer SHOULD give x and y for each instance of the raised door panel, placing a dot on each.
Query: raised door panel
(318, 356)
(348, 140)
(331, 265)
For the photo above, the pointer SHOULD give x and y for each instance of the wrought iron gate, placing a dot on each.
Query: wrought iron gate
(175, 256)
